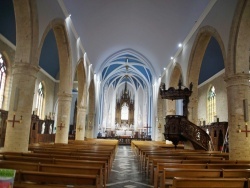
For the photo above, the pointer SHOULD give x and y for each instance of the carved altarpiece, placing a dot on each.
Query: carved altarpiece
(125, 99)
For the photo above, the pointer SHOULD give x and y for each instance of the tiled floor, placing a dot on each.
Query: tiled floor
(125, 172)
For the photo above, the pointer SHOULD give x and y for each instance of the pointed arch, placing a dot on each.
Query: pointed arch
(239, 41)
(176, 75)
(91, 110)
(63, 46)
(92, 96)
(26, 23)
(81, 78)
(196, 56)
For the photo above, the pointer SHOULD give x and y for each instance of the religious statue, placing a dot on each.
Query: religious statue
(117, 126)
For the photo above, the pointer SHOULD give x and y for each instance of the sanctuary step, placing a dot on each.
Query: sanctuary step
(125, 140)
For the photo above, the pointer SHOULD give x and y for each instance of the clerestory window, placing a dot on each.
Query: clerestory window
(211, 105)
(40, 100)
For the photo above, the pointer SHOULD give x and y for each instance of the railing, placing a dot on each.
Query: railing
(178, 128)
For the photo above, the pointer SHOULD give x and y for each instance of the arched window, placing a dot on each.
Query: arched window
(211, 105)
(40, 100)
(2, 79)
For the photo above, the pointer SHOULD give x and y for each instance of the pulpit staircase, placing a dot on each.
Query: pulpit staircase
(179, 128)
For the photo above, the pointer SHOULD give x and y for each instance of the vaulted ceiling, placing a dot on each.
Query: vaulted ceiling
(152, 28)
(149, 28)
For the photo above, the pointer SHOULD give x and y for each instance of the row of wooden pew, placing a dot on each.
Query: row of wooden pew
(77, 164)
(179, 168)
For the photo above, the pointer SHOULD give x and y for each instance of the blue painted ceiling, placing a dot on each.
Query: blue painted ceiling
(127, 68)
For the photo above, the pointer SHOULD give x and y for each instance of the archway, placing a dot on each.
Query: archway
(81, 100)
(131, 68)
(65, 76)
(175, 77)
(197, 53)
(91, 111)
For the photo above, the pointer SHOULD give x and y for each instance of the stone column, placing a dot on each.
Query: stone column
(80, 123)
(237, 90)
(90, 125)
(21, 101)
(63, 118)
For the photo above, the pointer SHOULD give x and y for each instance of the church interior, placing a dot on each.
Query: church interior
(116, 93)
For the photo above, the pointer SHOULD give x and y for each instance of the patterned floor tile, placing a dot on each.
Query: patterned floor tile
(125, 172)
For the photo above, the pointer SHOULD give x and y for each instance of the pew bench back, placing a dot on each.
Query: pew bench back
(183, 182)
(57, 178)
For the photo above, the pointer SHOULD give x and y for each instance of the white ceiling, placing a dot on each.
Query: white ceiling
(153, 28)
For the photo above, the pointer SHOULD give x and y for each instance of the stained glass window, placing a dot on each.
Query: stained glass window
(40, 100)
(211, 105)
(2, 79)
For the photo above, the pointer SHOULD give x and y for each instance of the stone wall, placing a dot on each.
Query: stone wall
(49, 86)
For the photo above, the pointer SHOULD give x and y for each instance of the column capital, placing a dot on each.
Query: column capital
(237, 79)
(25, 69)
(64, 96)
(82, 108)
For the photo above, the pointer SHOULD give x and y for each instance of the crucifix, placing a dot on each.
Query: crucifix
(79, 128)
(147, 127)
(246, 131)
(61, 125)
(14, 120)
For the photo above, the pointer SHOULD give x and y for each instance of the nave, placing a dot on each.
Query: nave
(103, 163)
(125, 171)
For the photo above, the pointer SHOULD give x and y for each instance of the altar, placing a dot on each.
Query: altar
(124, 133)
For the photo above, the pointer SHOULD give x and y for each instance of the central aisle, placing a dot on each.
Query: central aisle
(125, 172)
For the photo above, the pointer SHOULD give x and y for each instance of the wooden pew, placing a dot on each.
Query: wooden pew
(181, 153)
(57, 178)
(170, 173)
(184, 182)
(200, 160)
(65, 155)
(236, 173)
(94, 145)
(154, 159)
(34, 185)
(99, 164)
(79, 156)
(67, 169)
(160, 168)
(73, 152)
(53, 158)
(158, 174)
